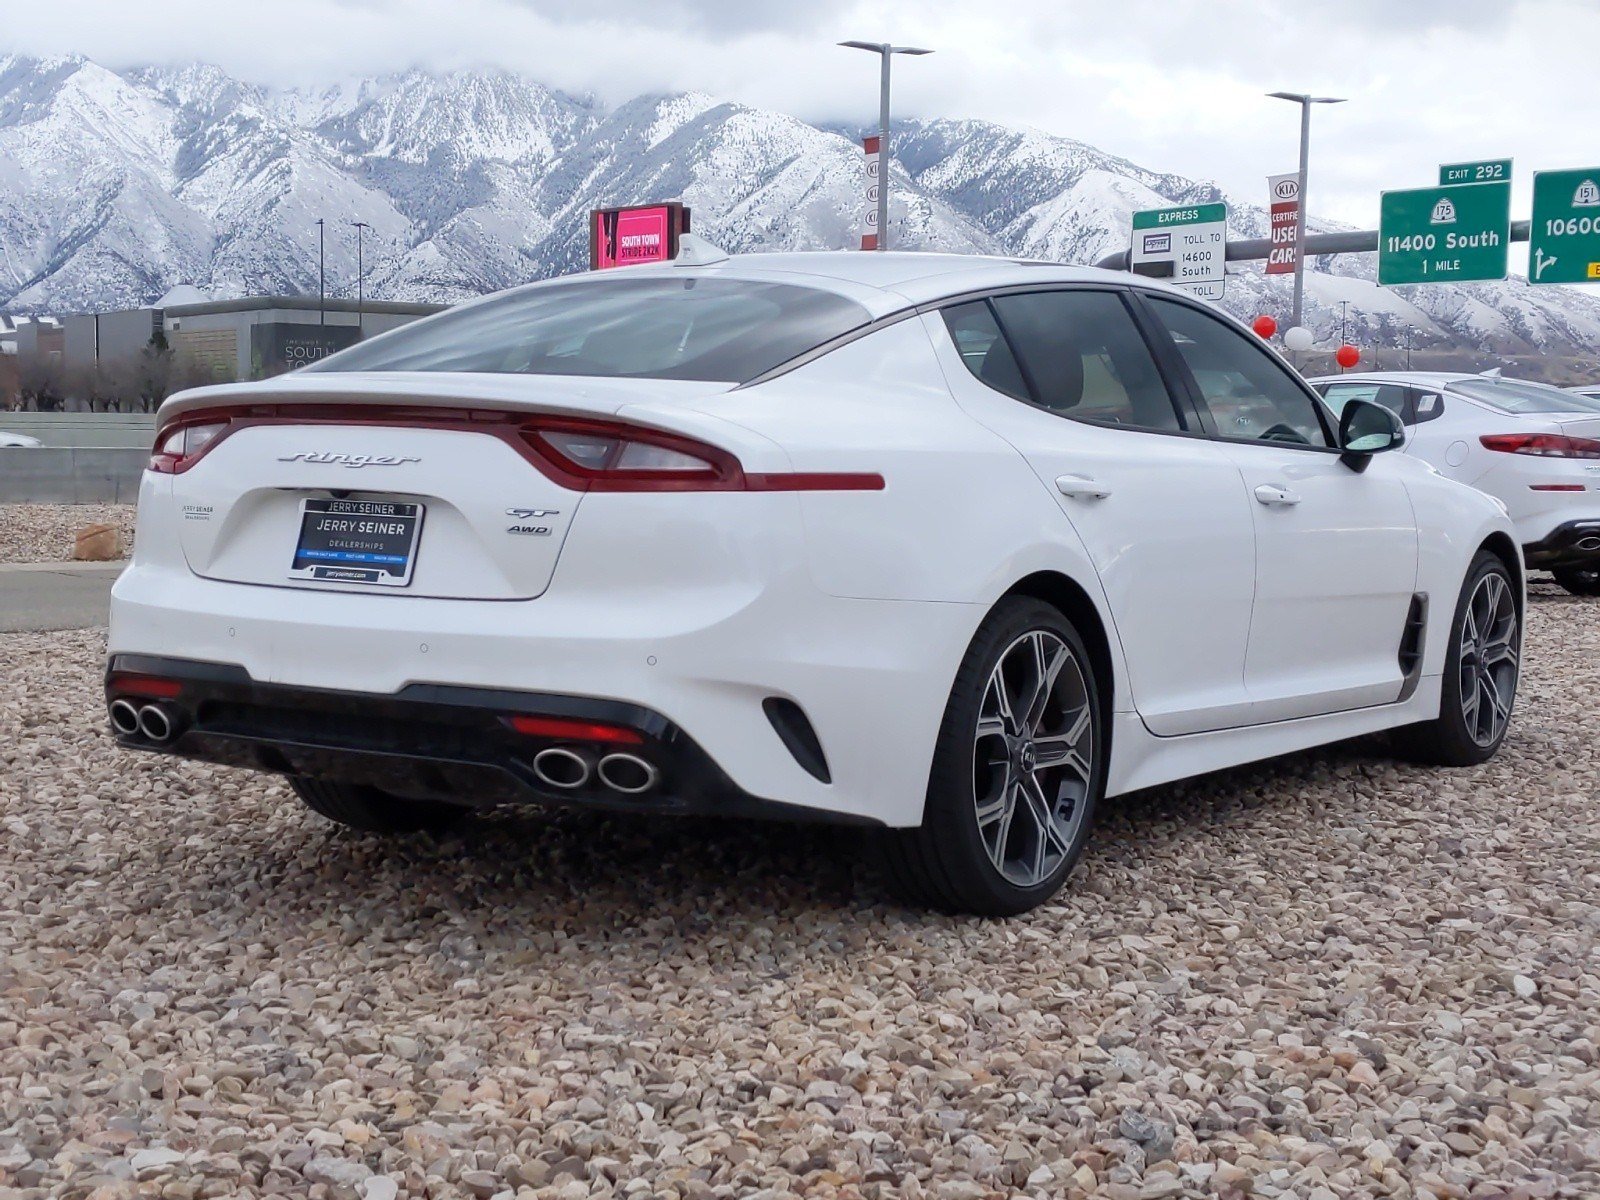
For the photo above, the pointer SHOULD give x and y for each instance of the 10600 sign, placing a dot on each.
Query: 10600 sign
(1571, 226)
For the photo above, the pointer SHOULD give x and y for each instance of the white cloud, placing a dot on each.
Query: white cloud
(1176, 85)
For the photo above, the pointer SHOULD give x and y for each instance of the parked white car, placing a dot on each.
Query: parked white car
(950, 546)
(1534, 447)
(18, 441)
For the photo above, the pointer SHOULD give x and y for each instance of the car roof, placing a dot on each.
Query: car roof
(882, 282)
(1412, 378)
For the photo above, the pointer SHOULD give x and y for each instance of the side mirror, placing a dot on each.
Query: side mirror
(1366, 429)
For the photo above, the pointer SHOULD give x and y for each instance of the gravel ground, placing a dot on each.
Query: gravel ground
(43, 532)
(1320, 977)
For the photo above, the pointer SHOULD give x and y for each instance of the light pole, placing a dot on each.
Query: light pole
(1305, 102)
(322, 275)
(1344, 326)
(884, 51)
(361, 294)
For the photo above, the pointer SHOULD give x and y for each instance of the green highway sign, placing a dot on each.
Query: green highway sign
(1564, 235)
(1445, 234)
(1493, 170)
(1187, 245)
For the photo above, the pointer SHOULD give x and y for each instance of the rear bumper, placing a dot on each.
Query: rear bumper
(430, 741)
(1570, 543)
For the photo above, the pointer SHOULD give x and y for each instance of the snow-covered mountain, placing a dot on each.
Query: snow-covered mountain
(114, 186)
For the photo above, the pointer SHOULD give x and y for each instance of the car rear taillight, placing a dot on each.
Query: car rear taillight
(1542, 445)
(179, 445)
(584, 454)
(604, 456)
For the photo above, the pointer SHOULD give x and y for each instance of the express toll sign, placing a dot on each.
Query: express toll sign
(640, 233)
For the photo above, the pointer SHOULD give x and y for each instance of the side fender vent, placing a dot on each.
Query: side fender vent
(794, 730)
(1412, 640)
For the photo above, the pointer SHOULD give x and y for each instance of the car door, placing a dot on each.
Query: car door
(1336, 548)
(1067, 377)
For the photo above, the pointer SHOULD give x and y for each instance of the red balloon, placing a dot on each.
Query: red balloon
(1264, 326)
(1347, 356)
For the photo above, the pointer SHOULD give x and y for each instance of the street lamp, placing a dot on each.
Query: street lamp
(322, 275)
(884, 51)
(1305, 102)
(361, 295)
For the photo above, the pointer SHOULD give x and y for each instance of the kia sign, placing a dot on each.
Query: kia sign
(1284, 191)
(641, 233)
(869, 215)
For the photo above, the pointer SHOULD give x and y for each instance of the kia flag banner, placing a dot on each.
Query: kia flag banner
(1284, 207)
(869, 215)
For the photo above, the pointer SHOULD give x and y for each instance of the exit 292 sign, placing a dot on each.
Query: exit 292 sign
(1492, 170)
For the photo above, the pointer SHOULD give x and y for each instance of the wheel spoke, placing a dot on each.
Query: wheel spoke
(1065, 749)
(1047, 669)
(1050, 836)
(1489, 659)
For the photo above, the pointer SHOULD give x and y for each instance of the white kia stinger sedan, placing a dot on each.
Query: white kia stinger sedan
(950, 546)
(1534, 447)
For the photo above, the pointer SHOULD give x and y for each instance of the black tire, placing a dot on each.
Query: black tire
(948, 862)
(1580, 581)
(1454, 739)
(372, 810)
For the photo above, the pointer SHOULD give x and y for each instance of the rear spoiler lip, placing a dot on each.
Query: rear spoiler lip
(574, 394)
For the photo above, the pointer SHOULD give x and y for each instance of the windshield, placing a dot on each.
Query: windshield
(727, 330)
(1520, 396)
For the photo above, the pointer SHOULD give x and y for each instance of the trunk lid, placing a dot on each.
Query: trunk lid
(334, 503)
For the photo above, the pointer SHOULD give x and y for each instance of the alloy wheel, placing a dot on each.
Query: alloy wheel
(1489, 659)
(1033, 757)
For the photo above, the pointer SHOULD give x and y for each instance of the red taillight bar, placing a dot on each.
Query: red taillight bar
(521, 431)
(1541, 445)
(567, 730)
(152, 687)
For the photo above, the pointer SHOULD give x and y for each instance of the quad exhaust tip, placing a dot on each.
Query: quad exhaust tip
(628, 774)
(156, 723)
(562, 768)
(124, 718)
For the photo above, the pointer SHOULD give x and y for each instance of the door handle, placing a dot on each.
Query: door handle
(1272, 493)
(1081, 487)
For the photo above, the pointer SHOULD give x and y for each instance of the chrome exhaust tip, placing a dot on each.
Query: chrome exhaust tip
(124, 717)
(156, 723)
(562, 768)
(1589, 543)
(628, 774)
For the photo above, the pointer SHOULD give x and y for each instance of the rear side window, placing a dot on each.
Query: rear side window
(1075, 353)
(1396, 399)
(1522, 396)
(653, 327)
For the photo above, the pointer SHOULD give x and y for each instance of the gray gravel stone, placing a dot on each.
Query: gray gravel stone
(1294, 979)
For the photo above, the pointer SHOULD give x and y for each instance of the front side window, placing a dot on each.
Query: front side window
(646, 327)
(1076, 353)
(1250, 396)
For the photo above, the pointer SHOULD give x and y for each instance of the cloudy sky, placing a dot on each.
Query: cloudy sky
(1175, 85)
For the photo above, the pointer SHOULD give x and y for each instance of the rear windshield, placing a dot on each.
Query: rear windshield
(1519, 396)
(643, 328)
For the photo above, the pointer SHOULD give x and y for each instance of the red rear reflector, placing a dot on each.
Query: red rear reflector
(150, 686)
(567, 730)
(1555, 487)
(1542, 445)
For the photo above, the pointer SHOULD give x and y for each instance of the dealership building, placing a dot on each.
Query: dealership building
(227, 340)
